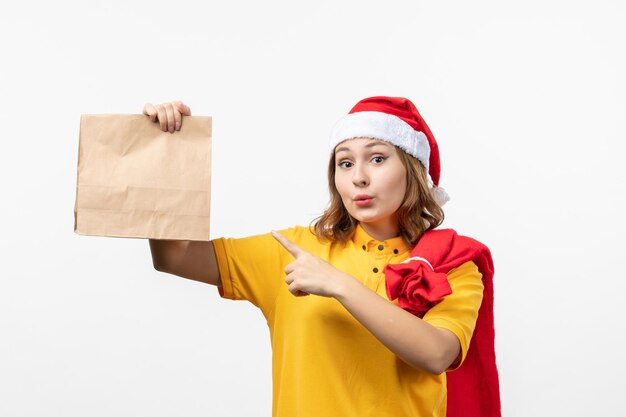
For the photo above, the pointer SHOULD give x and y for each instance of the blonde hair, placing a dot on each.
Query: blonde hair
(417, 213)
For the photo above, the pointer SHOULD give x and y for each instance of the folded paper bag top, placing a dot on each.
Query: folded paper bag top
(134, 180)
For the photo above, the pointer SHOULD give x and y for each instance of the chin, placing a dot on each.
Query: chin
(368, 219)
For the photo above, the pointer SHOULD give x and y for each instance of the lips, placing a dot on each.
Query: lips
(363, 200)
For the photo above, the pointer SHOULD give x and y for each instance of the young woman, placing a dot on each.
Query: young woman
(342, 344)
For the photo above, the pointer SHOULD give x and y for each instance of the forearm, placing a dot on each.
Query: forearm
(189, 259)
(163, 251)
(413, 340)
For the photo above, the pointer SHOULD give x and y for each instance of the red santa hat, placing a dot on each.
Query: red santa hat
(397, 121)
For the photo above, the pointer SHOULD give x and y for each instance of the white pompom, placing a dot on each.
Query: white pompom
(439, 195)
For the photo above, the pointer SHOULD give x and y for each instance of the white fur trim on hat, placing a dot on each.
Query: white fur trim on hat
(383, 126)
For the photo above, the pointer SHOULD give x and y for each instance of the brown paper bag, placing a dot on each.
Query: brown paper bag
(135, 180)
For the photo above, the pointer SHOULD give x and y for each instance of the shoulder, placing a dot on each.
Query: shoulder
(300, 233)
(466, 268)
(467, 272)
(446, 249)
(450, 237)
(305, 237)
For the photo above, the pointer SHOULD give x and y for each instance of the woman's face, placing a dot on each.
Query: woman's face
(371, 180)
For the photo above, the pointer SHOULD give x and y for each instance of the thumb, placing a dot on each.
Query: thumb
(291, 247)
(149, 110)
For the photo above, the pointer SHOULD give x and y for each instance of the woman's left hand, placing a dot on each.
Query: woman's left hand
(309, 274)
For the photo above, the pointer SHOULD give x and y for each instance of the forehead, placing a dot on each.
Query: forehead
(356, 144)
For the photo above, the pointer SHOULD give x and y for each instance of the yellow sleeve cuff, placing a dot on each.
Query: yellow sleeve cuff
(226, 290)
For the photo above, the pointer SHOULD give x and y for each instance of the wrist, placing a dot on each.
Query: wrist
(344, 285)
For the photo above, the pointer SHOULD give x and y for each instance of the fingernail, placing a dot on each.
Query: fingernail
(177, 126)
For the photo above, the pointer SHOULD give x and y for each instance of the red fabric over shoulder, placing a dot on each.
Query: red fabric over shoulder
(473, 388)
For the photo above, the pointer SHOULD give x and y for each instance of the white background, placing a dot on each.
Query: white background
(526, 100)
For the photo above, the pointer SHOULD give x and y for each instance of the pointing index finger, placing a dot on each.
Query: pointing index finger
(291, 247)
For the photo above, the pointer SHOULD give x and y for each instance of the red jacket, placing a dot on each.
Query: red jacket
(421, 282)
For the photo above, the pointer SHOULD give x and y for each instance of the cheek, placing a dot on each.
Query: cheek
(401, 191)
(396, 199)
(341, 185)
(396, 184)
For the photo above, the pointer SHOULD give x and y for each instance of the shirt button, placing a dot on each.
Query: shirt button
(381, 247)
(375, 270)
(395, 251)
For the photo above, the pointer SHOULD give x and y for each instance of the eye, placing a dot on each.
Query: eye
(378, 159)
(345, 164)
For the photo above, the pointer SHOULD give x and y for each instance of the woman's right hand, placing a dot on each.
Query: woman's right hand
(169, 115)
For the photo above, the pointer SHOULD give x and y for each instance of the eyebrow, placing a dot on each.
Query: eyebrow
(374, 142)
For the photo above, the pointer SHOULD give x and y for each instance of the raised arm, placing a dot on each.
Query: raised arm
(185, 258)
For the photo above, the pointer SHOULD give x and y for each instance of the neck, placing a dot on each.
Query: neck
(382, 230)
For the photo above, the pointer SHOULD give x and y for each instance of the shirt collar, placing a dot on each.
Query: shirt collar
(365, 242)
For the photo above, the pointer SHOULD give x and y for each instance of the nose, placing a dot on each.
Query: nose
(359, 176)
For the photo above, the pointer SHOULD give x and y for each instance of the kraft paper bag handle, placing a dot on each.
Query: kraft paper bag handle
(134, 180)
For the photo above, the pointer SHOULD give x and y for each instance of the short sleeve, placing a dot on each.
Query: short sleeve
(252, 268)
(458, 311)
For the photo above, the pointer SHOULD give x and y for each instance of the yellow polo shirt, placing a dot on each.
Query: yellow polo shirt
(324, 362)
